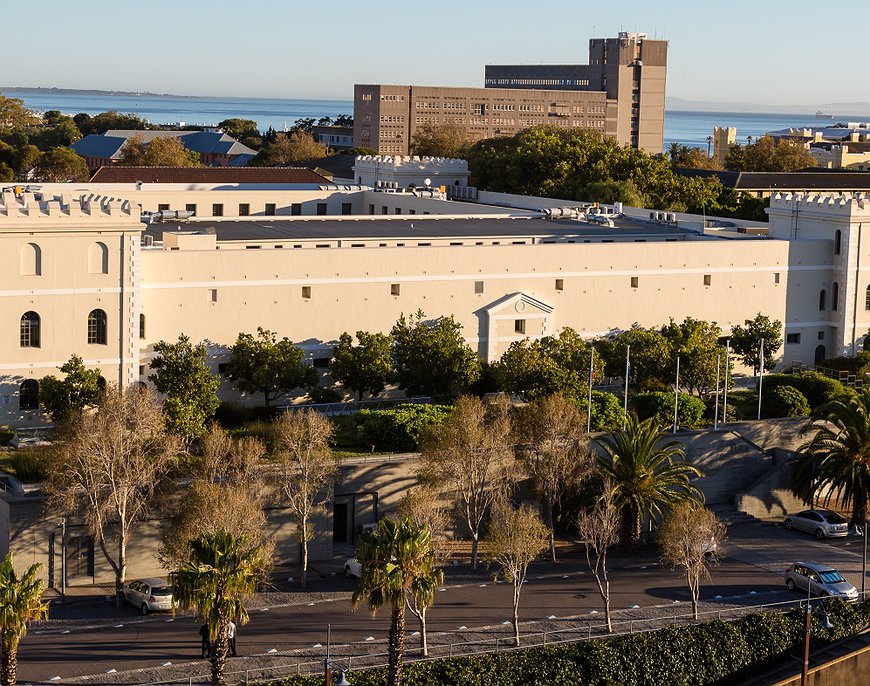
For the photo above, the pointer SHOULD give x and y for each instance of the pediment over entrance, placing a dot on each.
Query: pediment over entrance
(514, 317)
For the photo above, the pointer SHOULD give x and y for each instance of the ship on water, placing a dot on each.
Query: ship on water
(821, 114)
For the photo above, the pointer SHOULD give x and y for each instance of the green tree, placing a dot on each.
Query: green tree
(344, 120)
(366, 367)
(26, 158)
(517, 537)
(431, 357)
(768, 154)
(295, 149)
(105, 121)
(835, 462)
(696, 342)
(649, 476)
(79, 389)
(396, 558)
(746, 341)
(692, 158)
(783, 401)
(537, 368)
(659, 406)
(60, 165)
(264, 364)
(607, 412)
(20, 603)
(239, 128)
(220, 575)
(651, 356)
(181, 373)
(14, 115)
(162, 151)
(441, 140)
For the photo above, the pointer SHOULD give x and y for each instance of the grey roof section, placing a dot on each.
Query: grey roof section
(817, 180)
(206, 142)
(95, 145)
(415, 228)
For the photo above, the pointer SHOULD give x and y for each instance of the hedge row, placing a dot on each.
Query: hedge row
(714, 653)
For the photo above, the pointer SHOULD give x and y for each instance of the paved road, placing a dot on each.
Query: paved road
(132, 642)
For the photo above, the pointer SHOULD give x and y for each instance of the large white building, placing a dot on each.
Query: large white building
(83, 274)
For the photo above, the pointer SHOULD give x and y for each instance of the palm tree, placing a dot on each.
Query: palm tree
(397, 559)
(20, 603)
(648, 475)
(220, 575)
(837, 458)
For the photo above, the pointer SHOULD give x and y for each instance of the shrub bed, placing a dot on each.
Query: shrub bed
(715, 653)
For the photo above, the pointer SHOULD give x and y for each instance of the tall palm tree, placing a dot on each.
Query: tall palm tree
(397, 559)
(20, 603)
(221, 574)
(648, 474)
(837, 458)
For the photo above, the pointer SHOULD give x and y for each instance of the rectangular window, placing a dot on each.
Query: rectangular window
(163, 207)
(412, 211)
(634, 281)
(383, 209)
(141, 370)
(560, 284)
(371, 209)
(398, 210)
(708, 279)
(478, 286)
(306, 292)
(190, 207)
(519, 325)
(776, 277)
(395, 289)
(791, 338)
(821, 335)
(296, 208)
(217, 210)
(270, 209)
(244, 209)
(321, 208)
(212, 295)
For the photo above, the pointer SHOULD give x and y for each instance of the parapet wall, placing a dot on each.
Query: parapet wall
(27, 209)
(841, 204)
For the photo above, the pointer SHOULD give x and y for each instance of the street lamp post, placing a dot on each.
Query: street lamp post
(826, 624)
(328, 664)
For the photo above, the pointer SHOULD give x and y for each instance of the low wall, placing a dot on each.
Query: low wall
(849, 670)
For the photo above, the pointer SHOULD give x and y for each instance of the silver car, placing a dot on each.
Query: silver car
(823, 523)
(149, 595)
(822, 580)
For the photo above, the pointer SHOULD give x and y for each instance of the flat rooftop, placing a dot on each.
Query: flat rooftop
(419, 226)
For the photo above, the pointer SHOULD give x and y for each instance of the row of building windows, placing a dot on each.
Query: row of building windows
(30, 259)
(392, 98)
(392, 119)
(30, 329)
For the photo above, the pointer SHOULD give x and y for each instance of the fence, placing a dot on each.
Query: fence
(347, 409)
(856, 381)
(353, 656)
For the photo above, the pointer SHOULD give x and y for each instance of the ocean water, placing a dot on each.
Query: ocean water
(687, 128)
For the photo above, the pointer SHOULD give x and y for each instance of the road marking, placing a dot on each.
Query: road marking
(552, 617)
(317, 645)
(119, 626)
(462, 628)
(484, 585)
(415, 633)
(594, 612)
(506, 623)
(166, 664)
(634, 607)
(369, 638)
(272, 651)
(168, 620)
(55, 678)
(65, 631)
(111, 671)
(310, 604)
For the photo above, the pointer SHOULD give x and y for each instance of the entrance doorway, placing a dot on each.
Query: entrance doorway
(820, 354)
(339, 523)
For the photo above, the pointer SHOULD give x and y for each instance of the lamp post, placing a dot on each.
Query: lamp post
(328, 664)
(62, 526)
(864, 563)
(826, 624)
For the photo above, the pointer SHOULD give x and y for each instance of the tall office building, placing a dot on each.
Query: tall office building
(621, 92)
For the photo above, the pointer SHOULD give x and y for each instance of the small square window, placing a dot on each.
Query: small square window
(383, 209)
(244, 209)
(191, 208)
(296, 208)
(141, 370)
(321, 208)
(213, 295)
(792, 338)
(398, 210)
(163, 207)
(306, 292)
(634, 281)
(776, 277)
(217, 210)
(395, 289)
(560, 284)
(821, 335)
(478, 286)
(519, 325)
(371, 209)
(346, 208)
(270, 209)
(708, 279)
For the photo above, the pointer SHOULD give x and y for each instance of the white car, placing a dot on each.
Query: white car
(149, 595)
(352, 568)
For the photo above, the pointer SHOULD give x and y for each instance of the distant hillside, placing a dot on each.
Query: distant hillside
(11, 90)
(859, 110)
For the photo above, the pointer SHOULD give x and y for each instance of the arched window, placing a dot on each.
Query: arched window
(835, 296)
(819, 357)
(31, 260)
(29, 330)
(28, 395)
(141, 325)
(823, 298)
(838, 240)
(97, 327)
(98, 259)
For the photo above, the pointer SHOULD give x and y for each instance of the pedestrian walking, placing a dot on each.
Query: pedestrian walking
(231, 634)
(205, 634)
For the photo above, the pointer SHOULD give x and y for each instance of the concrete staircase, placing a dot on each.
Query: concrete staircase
(728, 514)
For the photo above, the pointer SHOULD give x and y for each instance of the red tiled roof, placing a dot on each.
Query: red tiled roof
(119, 174)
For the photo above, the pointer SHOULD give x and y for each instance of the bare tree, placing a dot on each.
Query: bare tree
(470, 454)
(112, 461)
(230, 461)
(308, 469)
(691, 538)
(424, 506)
(517, 537)
(599, 531)
(552, 431)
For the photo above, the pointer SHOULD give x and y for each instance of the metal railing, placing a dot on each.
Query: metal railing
(347, 409)
(352, 657)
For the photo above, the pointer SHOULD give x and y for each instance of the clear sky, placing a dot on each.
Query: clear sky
(762, 51)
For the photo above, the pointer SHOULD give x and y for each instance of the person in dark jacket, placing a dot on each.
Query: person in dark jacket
(206, 640)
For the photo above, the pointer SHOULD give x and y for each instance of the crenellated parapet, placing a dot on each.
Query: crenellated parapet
(33, 210)
(844, 205)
